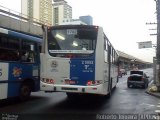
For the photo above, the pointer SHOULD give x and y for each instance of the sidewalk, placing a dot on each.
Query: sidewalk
(152, 90)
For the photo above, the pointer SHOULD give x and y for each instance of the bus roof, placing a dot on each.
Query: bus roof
(20, 35)
(74, 26)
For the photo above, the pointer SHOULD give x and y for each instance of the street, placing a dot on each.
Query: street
(123, 101)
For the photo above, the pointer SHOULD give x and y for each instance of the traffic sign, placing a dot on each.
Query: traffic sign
(146, 44)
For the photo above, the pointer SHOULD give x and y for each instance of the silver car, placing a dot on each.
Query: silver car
(137, 78)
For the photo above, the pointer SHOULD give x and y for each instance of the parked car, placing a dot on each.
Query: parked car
(137, 78)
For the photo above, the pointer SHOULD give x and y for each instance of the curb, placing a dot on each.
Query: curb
(153, 94)
(156, 94)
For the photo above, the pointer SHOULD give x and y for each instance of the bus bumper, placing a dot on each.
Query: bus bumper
(97, 89)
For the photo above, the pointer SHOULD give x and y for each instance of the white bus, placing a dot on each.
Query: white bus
(78, 59)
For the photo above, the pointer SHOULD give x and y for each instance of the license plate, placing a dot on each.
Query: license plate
(70, 82)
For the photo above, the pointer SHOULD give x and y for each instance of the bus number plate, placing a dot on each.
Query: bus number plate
(71, 32)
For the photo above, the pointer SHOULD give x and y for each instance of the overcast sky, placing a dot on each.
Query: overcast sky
(124, 21)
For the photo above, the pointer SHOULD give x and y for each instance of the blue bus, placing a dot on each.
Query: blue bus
(19, 64)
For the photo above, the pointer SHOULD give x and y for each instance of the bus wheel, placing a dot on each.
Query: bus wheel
(25, 92)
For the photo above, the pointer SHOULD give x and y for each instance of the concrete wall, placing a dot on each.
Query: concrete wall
(20, 25)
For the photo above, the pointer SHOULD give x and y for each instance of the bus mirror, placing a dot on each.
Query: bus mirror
(32, 47)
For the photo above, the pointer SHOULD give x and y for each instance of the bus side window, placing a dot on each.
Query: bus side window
(28, 52)
(27, 56)
(8, 55)
(9, 49)
(31, 56)
(2, 54)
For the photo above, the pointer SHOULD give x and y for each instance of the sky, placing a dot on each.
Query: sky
(123, 21)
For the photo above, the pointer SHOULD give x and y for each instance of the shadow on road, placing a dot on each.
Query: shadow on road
(16, 101)
(85, 103)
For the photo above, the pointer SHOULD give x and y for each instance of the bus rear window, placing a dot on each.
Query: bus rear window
(71, 41)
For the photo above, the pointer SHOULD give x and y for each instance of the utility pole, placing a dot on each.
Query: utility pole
(158, 45)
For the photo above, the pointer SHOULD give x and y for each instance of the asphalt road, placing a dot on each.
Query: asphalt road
(123, 103)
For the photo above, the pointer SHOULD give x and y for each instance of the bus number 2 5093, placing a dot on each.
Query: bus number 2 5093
(87, 62)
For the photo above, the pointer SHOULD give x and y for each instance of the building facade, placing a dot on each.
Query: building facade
(73, 22)
(87, 19)
(37, 10)
(62, 12)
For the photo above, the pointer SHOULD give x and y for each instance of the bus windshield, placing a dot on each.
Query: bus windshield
(81, 40)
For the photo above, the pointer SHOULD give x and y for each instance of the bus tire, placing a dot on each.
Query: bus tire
(128, 85)
(25, 92)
